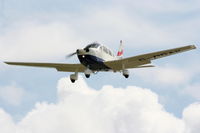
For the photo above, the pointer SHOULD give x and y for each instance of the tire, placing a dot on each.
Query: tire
(126, 76)
(87, 75)
(72, 80)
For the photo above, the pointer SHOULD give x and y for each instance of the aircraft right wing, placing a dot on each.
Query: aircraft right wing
(57, 66)
(140, 60)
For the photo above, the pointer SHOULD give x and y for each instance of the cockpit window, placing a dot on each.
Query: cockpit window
(93, 45)
(107, 51)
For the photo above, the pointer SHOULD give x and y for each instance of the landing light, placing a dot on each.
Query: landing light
(83, 56)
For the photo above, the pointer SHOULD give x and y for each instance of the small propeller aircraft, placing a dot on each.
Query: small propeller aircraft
(96, 57)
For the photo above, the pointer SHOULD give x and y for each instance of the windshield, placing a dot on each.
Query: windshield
(93, 45)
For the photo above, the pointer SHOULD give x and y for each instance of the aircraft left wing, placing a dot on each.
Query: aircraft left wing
(140, 60)
(57, 66)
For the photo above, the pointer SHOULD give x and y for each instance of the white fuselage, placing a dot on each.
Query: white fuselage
(94, 57)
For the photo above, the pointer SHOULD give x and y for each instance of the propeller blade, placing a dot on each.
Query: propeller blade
(70, 55)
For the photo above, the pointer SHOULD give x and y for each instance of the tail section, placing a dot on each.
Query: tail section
(121, 50)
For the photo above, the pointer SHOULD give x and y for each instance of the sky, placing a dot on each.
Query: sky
(161, 99)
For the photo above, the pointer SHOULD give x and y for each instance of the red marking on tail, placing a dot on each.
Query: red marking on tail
(120, 53)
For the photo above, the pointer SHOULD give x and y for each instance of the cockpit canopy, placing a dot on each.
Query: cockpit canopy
(96, 45)
(92, 45)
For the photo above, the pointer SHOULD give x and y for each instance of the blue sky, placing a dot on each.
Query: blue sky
(47, 30)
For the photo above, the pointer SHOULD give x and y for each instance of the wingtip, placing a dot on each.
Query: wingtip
(193, 46)
(6, 62)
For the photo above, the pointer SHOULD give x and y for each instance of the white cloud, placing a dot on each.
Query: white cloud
(39, 40)
(191, 117)
(119, 24)
(164, 75)
(193, 90)
(83, 109)
(35, 40)
(162, 6)
(6, 123)
(53, 39)
(124, 20)
(12, 94)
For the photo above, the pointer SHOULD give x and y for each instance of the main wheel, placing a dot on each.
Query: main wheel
(126, 76)
(87, 75)
(72, 80)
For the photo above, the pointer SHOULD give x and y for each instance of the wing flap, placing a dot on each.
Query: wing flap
(145, 66)
(57, 66)
(118, 65)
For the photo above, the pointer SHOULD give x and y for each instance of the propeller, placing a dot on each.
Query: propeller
(70, 55)
(78, 51)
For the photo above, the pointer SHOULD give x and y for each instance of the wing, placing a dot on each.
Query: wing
(139, 60)
(57, 66)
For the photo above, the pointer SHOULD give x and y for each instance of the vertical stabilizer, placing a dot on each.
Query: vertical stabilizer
(121, 50)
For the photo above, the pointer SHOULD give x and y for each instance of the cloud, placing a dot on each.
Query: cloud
(168, 25)
(162, 6)
(164, 75)
(193, 90)
(118, 110)
(12, 94)
(36, 40)
(119, 24)
(6, 123)
(52, 36)
(58, 33)
(191, 117)
(80, 108)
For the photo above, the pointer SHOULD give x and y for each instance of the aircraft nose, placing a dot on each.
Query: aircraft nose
(80, 51)
(77, 51)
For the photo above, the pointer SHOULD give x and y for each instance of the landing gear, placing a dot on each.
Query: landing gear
(72, 80)
(88, 72)
(87, 75)
(126, 76)
(74, 77)
(126, 73)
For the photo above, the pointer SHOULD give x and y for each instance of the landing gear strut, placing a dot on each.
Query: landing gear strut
(74, 77)
(88, 72)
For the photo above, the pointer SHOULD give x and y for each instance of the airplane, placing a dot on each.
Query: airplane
(96, 58)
